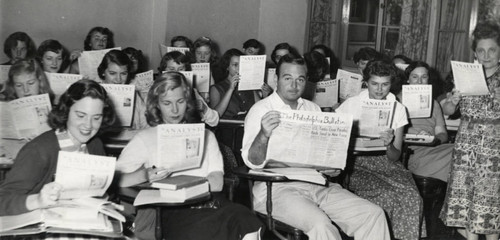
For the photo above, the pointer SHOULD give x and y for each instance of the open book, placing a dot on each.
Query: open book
(311, 138)
(376, 116)
(25, 117)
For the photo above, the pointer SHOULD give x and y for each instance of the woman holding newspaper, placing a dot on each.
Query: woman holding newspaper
(382, 179)
(26, 78)
(473, 197)
(170, 101)
(83, 109)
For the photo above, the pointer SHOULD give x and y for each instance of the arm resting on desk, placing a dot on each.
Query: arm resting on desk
(133, 178)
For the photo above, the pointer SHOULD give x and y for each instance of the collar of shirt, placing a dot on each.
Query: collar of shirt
(365, 95)
(67, 144)
(278, 103)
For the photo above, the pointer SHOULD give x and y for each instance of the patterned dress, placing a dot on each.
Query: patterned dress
(473, 195)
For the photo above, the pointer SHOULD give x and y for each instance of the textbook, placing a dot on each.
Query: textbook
(185, 193)
(89, 216)
(177, 182)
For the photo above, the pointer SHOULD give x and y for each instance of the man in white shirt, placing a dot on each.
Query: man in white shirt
(306, 206)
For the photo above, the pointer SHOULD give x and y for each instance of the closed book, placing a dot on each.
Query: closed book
(178, 182)
(185, 193)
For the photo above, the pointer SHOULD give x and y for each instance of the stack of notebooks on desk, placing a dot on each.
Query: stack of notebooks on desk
(175, 189)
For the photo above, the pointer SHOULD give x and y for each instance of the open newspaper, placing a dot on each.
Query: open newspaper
(25, 117)
(271, 79)
(350, 84)
(315, 139)
(59, 82)
(376, 116)
(327, 93)
(201, 73)
(252, 71)
(143, 81)
(418, 100)
(189, 76)
(4, 74)
(123, 99)
(90, 60)
(469, 78)
(180, 146)
(182, 50)
(84, 175)
(163, 49)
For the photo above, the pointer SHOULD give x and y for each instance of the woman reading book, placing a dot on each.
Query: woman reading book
(382, 179)
(82, 110)
(170, 101)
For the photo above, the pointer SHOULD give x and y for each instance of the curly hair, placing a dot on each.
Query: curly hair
(380, 68)
(11, 42)
(167, 82)
(485, 30)
(53, 46)
(110, 43)
(119, 58)
(178, 58)
(58, 117)
(26, 66)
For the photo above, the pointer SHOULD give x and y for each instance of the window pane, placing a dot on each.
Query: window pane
(390, 38)
(392, 12)
(358, 37)
(364, 11)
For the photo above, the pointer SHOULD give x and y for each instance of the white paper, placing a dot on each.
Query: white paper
(25, 117)
(84, 175)
(402, 66)
(163, 49)
(418, 100)
(4, 74)
(182, 50)
(59, 82)
(350, 84)
(376, 116)
(252, 72)
(418, 138)
(271, 79)
(90, 60)
(201, 72)
(189, 76)
(327, 93)
(180, 146)
(311, 138)
(123, 99)
(143, 81)
(469, 78)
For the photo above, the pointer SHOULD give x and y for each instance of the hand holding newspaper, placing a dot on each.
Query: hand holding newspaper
(311, 139)
(469, 78)
(252, 71)
(418, 100)
(376, 117)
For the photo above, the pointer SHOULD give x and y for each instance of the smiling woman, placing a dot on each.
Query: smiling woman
(53, 56)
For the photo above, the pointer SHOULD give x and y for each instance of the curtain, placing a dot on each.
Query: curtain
(414, 32)
(319, 24)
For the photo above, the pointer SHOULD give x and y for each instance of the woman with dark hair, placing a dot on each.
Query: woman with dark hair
(181, 41)
(317, 69)
(382, 179)
(224, 96)
(137, 59)
(365, 55)
(170, 101)
(98, 38)
(26, 78)
(281, 50)
(334, 63)
(473, 197)
(18, 46)
(82, 110)
(53, 57)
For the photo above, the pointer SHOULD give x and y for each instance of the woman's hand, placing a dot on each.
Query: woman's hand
(266, 90)
(454, 97)
(155, 174)
(49, 195)
(75, 54)
(234, 80)
(387, 136)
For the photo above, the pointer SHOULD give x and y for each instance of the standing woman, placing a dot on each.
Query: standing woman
(53, 57)
(473, 197)
(18, 46)
(26, 78)
(170, 101)
(81, 112)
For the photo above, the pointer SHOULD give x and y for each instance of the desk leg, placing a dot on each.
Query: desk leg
(158, 233)
(269, 205)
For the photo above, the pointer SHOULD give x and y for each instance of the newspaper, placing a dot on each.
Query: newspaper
(143, 81)
(4, 74)
(311, 139)
(402, 66)
(163, 49)
(84, 175)
(182, 50)
(376, 116)
(123, 99)
(418, 100)
(90, 60)
(271, 79)
(350, 84)
(180, 146)
(327, 93)
(59, 82)
(201, 71)
(469, 78)
(189, 76)
(252, 71)
(25, 117)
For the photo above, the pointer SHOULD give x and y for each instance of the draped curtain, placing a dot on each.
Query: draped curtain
(414, 32)
(320, 25)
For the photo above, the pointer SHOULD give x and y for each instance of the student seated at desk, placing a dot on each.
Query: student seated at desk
(306, 206)
(83, 109)
(98, 38)
(26, 78)
(170, 101)
(382, 179)
(428, 161)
